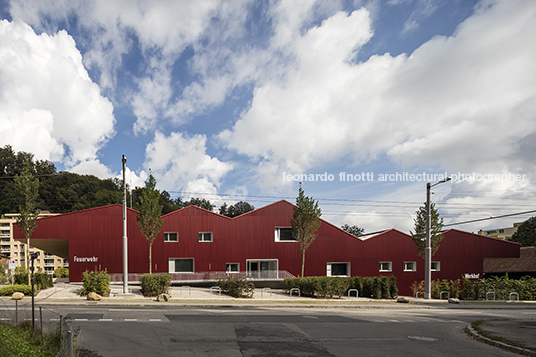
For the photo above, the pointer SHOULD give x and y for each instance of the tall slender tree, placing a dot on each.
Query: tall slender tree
(27, 188)
(148, 218)
(436, 226)
(305, 222)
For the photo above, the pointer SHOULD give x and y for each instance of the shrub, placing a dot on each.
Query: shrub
(357, 283)
(417, 287)
(155, 284)
(340, 285)
(42, 281)
(3, 277)
(368, 283)
(323, 286)
(377, 287)
(386, 292)
(61, 272)
(236, 286)
(10, 289)
(21, 278)
(393, 288)
(96, 282)
(468, 291)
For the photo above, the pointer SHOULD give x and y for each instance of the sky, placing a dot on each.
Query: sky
(364, 102)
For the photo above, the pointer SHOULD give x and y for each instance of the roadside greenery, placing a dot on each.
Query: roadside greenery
(155, 284)
(236, 286)
(329, 287)
(42, 280)
(471, 289)
(96, 282)
(8, 290)
(16, 341)
(61, 272)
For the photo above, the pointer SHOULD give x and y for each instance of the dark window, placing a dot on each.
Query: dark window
(184, 265)
(171, 237)
(340, 269)
(284, 235)
(205, 236)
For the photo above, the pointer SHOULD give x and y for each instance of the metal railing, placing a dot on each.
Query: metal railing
(268, 275)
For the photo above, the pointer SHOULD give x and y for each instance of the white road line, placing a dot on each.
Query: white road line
(80, 319)
(130, 320)
(155, 319)
(106, 319)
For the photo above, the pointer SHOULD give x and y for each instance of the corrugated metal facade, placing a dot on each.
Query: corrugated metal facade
(95, 236)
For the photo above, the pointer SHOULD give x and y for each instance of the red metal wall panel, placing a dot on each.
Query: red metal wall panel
(98, 233)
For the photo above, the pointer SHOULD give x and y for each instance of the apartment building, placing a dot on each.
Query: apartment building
(501, 233)
(16, 251)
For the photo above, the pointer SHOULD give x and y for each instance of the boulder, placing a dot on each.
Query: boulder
(454, 301)
(94, 296)
(163, 297)
(17, 296)
(403, 299)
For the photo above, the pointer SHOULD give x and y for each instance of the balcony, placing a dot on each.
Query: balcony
(5, 250)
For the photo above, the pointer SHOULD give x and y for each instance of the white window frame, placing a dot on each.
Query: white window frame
(277, 231)
(329, 269)
(201, 237)
(166, 237)
(390, 264)
(227, 265)
(180, 272)
(437, 268)
(410, 266)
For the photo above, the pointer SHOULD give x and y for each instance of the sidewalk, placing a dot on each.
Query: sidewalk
(517, 331)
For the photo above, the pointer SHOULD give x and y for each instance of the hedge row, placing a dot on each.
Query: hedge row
(155, 284)
(379, 287)
(501, 286)
(10, 289)
(236, 286)
(477, 289)
(42, 280)
(96, 281)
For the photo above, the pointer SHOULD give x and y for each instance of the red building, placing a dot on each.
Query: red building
(198, 244)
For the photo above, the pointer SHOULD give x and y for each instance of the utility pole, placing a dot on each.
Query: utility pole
(428, 249)
(125, 239)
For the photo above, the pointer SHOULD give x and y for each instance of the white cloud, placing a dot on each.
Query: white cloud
(463, 102)
(180, 161)
(48, 104)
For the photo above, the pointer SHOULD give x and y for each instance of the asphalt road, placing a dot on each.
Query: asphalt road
(282, 331)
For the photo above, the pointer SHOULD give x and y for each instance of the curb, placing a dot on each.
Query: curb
(522, 351)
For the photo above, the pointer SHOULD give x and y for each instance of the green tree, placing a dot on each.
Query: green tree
(436, 226)
(27, 192)
(148, 218)
(200, 202)
(235, 210)
(305, 222)
(355, 230)
(526, 233)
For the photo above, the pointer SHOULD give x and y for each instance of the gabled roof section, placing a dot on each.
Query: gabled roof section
(370, 236)
(263, 208)
(479, 236)
(191, 208)
(113, 207)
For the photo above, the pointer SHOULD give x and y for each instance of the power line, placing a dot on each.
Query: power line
(487, 219)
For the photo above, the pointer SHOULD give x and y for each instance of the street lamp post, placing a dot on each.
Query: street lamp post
(125, 239)
(428, 249)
